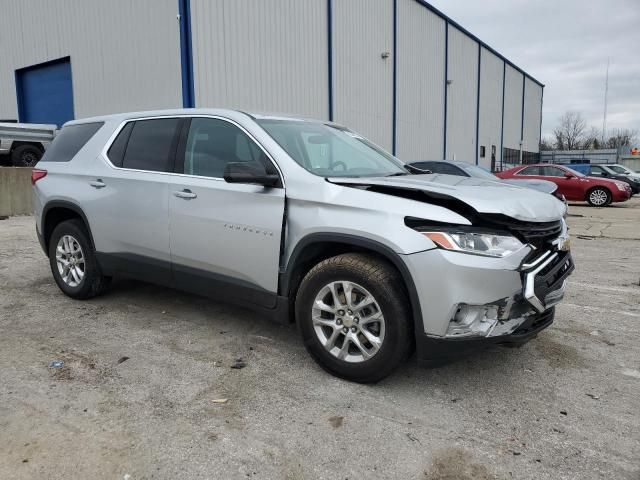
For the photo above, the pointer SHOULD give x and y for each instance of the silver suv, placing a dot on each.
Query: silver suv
(304, 221)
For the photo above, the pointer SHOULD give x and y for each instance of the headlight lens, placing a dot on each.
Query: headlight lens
(488, 244)
(621, 186)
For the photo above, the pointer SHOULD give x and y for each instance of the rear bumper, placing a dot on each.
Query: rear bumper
(439, 351)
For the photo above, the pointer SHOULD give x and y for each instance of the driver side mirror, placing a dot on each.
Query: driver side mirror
(569, 175)
(249, 172)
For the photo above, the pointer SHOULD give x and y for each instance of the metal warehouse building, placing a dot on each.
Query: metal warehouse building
(398, 71)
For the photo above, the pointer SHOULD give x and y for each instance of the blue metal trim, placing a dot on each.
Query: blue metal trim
(330, 55)
(468, 33)
(446, 85)
(478, 108)
(394, 125)
(541, 105)
(186, 54)
(522, 115)
(19, 96)
(504, 75)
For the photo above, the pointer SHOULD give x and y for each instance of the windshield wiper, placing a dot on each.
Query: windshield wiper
(397, 174)
(414, 169)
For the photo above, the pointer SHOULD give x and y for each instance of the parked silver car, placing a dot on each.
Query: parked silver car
(304, 221)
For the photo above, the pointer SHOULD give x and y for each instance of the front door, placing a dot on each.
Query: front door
(225, 238)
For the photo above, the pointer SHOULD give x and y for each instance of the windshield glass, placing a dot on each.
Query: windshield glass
(331, 151)
(620, 169)
(575, 172)
(478, 172)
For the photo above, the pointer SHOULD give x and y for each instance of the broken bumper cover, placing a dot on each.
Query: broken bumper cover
(469, 301)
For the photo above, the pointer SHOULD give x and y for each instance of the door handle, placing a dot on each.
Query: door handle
(98, 183)
(186, 194)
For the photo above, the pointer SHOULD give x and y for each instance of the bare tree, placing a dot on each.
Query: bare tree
(570, 133)
(622, 138)
(592, 139)
(546, 143)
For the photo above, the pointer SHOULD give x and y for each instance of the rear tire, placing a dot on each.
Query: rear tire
(25, 156)
(73, 261)
(375, 315)
(599, 197)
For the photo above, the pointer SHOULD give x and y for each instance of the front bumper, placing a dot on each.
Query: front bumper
(432, 351)
(512, 298)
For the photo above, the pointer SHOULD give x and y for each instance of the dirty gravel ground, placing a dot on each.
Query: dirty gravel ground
(564, 406)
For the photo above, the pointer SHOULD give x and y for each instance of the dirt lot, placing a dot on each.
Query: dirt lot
(143, 366)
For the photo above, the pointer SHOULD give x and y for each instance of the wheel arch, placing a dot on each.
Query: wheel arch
(319, 246)
(57, 211)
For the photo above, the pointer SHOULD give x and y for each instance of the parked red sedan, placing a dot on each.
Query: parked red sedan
(599, 192)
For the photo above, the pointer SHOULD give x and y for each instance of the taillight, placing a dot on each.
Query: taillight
(37, 174)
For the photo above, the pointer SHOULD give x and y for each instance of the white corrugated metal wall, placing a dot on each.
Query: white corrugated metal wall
(362, 78)
(261, 56)
(420, 88)
(512, 108)
(490, 125)
(274, 56)
(462, 95)
(125, 55)
(532, 115)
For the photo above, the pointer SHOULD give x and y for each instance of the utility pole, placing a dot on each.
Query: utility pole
(606, 94)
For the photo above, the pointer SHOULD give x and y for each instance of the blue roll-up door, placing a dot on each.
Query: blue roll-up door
(45, 92)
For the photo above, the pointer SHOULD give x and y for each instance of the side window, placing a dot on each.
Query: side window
(552, 172)
(596, 171)
(150, 144)
(119, 145)
(529, 171)
(213, 143)
(69, 141)
(482, 151)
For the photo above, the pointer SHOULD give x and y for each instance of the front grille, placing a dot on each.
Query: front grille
(538, 234)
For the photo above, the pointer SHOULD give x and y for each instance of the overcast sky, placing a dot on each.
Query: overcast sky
(565, 45)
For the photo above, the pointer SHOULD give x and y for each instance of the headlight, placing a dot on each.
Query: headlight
(488, 244)
(621, 186)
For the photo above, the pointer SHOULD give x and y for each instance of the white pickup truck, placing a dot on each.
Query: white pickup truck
(25, 143)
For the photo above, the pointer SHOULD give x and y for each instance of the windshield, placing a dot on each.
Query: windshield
(620, 169)
(575, 172)
(331, 151)
(478, 172)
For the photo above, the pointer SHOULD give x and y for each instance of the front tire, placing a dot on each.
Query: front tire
(599, 197)
(73, 261)
(354, 318)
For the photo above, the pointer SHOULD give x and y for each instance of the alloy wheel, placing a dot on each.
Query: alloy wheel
(70, 261)
(598, 197)
(348, 321)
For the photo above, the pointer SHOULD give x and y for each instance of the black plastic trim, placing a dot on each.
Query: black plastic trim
(196, 281)
(69, 206)
(286, 277)
(433, 351)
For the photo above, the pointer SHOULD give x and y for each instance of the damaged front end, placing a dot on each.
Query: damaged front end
(493, 281)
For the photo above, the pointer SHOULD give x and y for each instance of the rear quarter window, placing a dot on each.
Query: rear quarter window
(69, 141)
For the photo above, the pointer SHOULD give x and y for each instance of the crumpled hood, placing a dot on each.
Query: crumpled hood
(544, 186)
(484, 196)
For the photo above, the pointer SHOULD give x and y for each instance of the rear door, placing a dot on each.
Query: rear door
(130, 211)
(225, 238)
